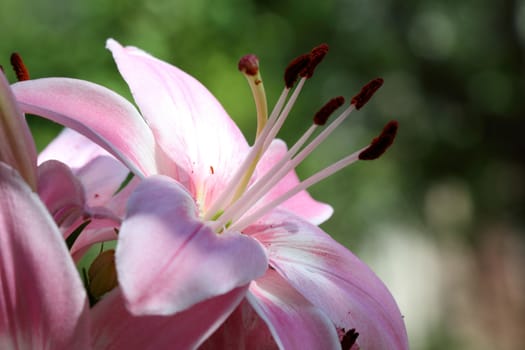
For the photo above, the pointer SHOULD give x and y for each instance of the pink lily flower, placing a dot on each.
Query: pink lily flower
(43, 304)
(75, 178)
(213, 214)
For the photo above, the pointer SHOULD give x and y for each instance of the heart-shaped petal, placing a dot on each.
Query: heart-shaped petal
(168, 259)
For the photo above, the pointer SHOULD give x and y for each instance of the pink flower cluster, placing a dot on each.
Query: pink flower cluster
(216, 242)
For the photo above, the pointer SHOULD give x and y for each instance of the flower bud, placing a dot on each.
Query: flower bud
(102, 274)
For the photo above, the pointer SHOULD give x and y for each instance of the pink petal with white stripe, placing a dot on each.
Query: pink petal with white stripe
(186, 119)
(294, 322)
(168, 259)
(97, 112)
(332, 279)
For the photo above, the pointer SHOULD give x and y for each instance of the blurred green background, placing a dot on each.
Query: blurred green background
(440, 216)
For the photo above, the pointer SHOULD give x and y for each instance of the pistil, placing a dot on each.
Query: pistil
(247, 166)
(249, 66)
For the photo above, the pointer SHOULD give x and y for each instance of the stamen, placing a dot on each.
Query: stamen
(19, 67)
(324, 113)
(366, 93)
(283, 167)
(239, 182)
(380, 144)
(245, 221)
(281, 118)
(304, 65)
(267, 137)
(233, 208)
(349, 339)
(249, 66)
(316, 56)
(217, 207)
(388, 135)
(295, 68)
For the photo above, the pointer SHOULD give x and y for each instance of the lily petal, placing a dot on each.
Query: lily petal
(94, 232)
(333, 279)
(17, 147)
(168, 260)
(95, 111)
(101, 178)
(100, 173)
(294, 322)
(61, 192)
(302, 204)
(71, 148)
(244, 329)
(43, 304)
(186, 119)
(88, 237)
(115, 328)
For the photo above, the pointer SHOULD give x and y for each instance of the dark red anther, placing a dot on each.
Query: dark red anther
(380, 144)
(349, 339)
(19, 67)
(249, 64)
(295, 68)
(326, 111)
(316, 56)
(366, 93)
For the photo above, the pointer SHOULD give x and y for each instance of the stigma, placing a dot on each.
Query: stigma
(238, 205)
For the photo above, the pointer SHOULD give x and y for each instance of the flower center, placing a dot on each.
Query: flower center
(234, 208)
(102, 275)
